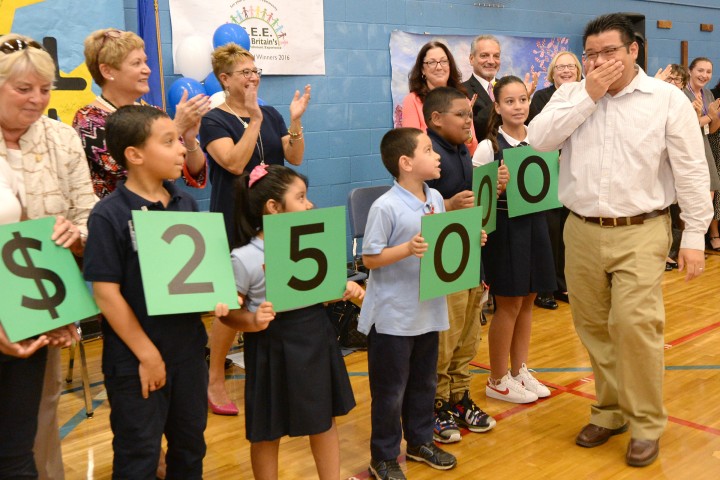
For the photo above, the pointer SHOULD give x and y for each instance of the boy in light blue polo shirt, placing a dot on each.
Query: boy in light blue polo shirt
(402, 331)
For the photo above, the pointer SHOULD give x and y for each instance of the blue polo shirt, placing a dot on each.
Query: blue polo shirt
(455, 166)
(111, 257)
(392, 300)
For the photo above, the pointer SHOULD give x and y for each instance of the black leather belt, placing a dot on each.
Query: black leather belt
(622, 221)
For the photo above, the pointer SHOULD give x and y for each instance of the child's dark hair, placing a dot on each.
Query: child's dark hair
(395, 144)
(606, 23)
(495, 119)
(250, 201)
(129, 126)
(439, 100)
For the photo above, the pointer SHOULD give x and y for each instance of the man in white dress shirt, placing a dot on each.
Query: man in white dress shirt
(630, 147)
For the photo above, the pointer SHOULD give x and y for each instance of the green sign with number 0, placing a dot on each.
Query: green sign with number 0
(305, 257)
(452, 261)
(484, 187)
(533, 185)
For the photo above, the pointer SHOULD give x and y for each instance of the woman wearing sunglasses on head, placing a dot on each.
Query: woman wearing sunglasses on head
(42, 174)
(238, 135)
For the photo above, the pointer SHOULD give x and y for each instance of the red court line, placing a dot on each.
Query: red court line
(693, 335)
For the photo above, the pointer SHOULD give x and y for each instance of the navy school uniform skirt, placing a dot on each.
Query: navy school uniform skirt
(518, 257)
(296, 380)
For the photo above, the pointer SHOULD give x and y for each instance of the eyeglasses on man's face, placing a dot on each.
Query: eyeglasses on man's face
(605, 52)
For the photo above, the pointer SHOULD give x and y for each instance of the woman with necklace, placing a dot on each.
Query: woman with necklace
(706, 107)
(118, 64)
(237, 136)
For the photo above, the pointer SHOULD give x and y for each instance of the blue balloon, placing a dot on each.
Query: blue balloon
(175, 93)
(261, 102)
(212, 84)
(231, 33)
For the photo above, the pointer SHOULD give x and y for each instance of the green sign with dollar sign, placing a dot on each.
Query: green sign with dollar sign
(43, 288)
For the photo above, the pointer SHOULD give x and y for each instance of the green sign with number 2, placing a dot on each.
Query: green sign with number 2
(305, 257)
(184, 261)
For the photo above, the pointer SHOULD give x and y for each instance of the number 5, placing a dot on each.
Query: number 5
(297, 254)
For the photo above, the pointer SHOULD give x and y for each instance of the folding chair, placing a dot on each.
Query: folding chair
(90, 328)
(359, 202)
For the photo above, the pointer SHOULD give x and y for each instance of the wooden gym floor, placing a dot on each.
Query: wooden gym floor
(533, 441)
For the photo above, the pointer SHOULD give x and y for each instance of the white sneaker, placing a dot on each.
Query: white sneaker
(509, 390)
(525, 378)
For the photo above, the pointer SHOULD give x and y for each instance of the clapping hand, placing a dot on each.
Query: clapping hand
(531, 85)
(663, 74)
(189, 113)
(299, 104)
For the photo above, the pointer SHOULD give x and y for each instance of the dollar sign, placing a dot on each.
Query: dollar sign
(46, 302)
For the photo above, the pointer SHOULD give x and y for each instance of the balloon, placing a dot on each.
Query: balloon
(175, 93)
(261, 102)
(192, 57)
(212, 84)
(217, 98)
(230, 32)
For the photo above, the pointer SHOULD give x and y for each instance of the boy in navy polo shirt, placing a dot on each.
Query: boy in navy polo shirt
(402, 332)
(449, 119)
(154, 366)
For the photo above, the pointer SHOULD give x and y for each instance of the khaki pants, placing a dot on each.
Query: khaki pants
(48, 455)
(458, 345)
(614, 278)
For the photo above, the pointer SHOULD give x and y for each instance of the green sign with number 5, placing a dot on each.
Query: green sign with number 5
(305, 257)
(184, 261)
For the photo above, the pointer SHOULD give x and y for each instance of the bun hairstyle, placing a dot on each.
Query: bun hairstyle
(250, 200)
(495, 119)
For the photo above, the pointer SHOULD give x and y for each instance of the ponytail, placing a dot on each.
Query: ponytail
(495, 119)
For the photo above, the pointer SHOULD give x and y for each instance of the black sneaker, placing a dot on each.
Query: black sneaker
(432, 455)
(386, 470)
(470, 416)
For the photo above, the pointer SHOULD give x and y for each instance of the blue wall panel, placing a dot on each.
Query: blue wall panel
(351, 106)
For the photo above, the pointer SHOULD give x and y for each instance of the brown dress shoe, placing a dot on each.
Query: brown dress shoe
(641, 453)
(593, 435)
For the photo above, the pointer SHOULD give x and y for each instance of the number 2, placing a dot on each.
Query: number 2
(178, 285)
(297, 254)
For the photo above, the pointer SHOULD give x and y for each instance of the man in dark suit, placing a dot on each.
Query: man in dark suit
(485, 60)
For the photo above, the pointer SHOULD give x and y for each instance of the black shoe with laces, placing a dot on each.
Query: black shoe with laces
(386, 470)
(432, 455)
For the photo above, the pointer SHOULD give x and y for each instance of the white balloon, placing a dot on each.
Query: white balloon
(192, 57)
(216, 99)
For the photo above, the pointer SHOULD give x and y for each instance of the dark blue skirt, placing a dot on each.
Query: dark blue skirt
(296, 380)
(518, 258)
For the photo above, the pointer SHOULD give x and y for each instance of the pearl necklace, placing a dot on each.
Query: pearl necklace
(259, 143)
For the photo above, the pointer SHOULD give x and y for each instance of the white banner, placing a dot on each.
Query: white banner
(286, 37)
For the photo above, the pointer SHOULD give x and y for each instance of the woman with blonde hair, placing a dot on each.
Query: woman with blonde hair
(42, 174)
(238, 135)
(118, 64)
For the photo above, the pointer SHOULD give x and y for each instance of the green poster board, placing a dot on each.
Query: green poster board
(42, 287)
(533, 185)
(305, 257)
(452, 261)
(184, 261)
(484, 186)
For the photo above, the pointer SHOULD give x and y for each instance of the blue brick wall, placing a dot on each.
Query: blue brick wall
(352, 108)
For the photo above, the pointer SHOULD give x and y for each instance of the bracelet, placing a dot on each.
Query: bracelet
(197, 145)
(296, 134)
(295, 139)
